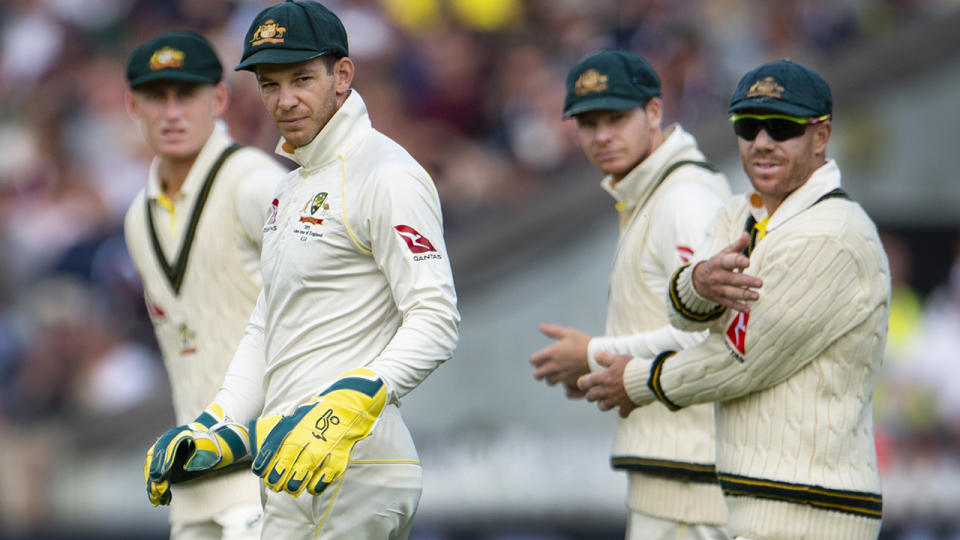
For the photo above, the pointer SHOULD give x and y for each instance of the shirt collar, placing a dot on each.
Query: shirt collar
(219, 139)
(639, 182)
(823, 180)
(342, 134)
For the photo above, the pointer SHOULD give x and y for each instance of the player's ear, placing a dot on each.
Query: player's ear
(221, 96)
(821, 137)
(130, 102)
(654, 110)
(343, 71)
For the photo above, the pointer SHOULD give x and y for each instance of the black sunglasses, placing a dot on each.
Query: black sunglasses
(780, 127)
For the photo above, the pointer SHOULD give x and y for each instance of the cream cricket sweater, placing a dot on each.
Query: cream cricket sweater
(199, 325)
(669, 456)
(794, 378)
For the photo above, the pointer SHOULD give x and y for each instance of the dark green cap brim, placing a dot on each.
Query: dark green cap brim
(603, 103)
(171, 75)
(764, 103)
(278, 56)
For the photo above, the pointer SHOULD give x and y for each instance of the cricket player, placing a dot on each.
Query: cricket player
(194, 233)
(666, 194)
(358, 306)
(795, 345)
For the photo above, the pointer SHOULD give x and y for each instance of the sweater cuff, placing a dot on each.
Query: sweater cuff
(635, 376)
(653, 383)
(685, 299)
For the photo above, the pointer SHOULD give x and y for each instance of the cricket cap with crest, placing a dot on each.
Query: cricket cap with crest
(180, 55)
(783, 87)
(292, 32)
(610, 80)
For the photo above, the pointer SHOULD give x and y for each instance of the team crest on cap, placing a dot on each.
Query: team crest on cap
(166, 57)
(268, 32)
(766, 86)
(589, 81)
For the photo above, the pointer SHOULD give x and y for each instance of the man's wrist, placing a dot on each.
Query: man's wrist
(687, 301)
(635, 376)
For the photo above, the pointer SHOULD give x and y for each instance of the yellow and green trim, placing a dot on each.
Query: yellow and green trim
(858, 503)
(705, 473)
(654, 381)
(683, 309)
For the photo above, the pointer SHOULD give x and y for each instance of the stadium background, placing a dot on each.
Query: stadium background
(473, 88)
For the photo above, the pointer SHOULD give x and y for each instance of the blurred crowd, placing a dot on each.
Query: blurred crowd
(472, 88)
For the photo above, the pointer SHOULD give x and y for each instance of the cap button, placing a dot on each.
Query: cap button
(288, 147)
(756, 200)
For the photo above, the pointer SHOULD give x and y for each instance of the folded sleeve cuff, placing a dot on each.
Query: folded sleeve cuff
(594, 346)
(653, 383)
(686, 302)
(635, 377)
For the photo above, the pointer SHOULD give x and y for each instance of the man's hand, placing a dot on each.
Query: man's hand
(721, 280)
(606, 387)
(563, 361)
(311, 448)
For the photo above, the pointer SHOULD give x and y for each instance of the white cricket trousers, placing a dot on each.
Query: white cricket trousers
(645, 527)
(376, 497)
(239, 522)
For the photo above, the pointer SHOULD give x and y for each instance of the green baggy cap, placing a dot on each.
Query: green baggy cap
(783, 87)
(292, 32)
(174, 56)
(609, 80)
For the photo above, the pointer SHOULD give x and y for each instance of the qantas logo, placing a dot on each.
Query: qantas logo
(415, 241)
(685, 253)
(737, 332)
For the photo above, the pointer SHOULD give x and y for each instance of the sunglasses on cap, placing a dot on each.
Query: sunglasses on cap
(780, 127)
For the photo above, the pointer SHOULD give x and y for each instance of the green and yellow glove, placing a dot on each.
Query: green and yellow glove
(311, 448)
(209, 444)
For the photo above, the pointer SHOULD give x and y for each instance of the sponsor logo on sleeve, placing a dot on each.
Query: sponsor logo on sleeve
(737, 333)
(685, 253)
(156, 313)
(418, 244)
(271, 224)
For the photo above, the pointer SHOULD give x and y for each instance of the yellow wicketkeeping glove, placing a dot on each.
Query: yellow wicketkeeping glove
(311, 448)
(211, 443)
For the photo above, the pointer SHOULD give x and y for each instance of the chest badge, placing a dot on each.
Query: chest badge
(313, 206)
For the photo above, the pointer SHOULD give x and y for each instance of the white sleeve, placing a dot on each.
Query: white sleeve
(242, 395)
(254, 198)
(645, 344)
(406, 232)
(680, 221)
(686, 309)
